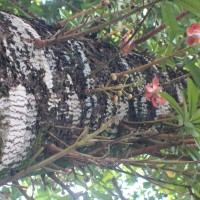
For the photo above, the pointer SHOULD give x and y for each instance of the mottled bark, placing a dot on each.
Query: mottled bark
(48, 88)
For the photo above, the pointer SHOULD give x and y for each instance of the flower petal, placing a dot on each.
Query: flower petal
(149, 88)
(155, 81)
(149, 96)
(154, 102)
(161, 100)
(190, 40)
(197, 40)
(158, 89)
(196, 34)
(126, 50)
(195, 27)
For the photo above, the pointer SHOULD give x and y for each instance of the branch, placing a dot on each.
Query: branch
(65, 187)
(118, 190)
(156, 30)
(157, 147)
(57, 156)
(43, 43)
(65, 21)
(23, 9)
(22, 191)
(138, 41)
(155, 62)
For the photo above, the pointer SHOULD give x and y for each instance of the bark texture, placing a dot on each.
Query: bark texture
(49, 88)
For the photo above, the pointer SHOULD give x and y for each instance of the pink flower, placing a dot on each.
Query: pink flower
(193, 33)
(152, 91)
(126, 49)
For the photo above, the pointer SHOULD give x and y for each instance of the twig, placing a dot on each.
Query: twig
(70, 5)
(75, 29)
(43, 43)
(157, 147)
(155, 62)
(65, 187)
(44, 181)
(65, 21)
(23, 9)
(57, 139)
(63, 127)
(156, 30)
(148, 122)
(84, 133)
(57, 156)
(116, 87)
(118, 190)
(35, 156)
(22, 191)
(138, 41)
(136, 31)
(150, 179)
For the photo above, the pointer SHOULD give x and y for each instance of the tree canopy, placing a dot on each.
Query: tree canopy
(157, 158)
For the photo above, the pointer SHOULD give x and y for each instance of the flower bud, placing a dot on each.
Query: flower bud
(130, 89)
(114, 99)
(113, 77)
(119, 93)
(126, 76)
(129, 96)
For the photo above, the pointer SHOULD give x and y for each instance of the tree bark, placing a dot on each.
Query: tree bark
(45, 90)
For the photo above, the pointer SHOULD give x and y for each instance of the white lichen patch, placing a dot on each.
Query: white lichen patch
(88, 105)
(143, 103)
(126, 67)
(135, 104)
(179, 91)
(86, 70)
(90, 102)
(17, 127)
(74, 108)
(140, 81)
(125, 64)
(74, 112)
(121, 112)
(109, 108)
(166, 75)
(24, 56)
(163, 109)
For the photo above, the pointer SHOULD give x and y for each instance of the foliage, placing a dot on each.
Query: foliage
(154, 177)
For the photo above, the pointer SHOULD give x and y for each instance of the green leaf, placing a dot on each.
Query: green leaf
(195, 117)
(192, 96)
(172, 102)
(181, 121)
(169, 18)
(191, 5)
(5, 189)
(147, 185)
(64, 13)
(15, 193)
(185, 111)
(67, 197)
(193, 153)
(197, 129)
(107, 176)
(101, 195)
(195, 72)
(171, 63)
(197, 140)
(190, 129)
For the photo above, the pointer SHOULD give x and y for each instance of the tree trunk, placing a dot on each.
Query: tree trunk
(48, 90)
